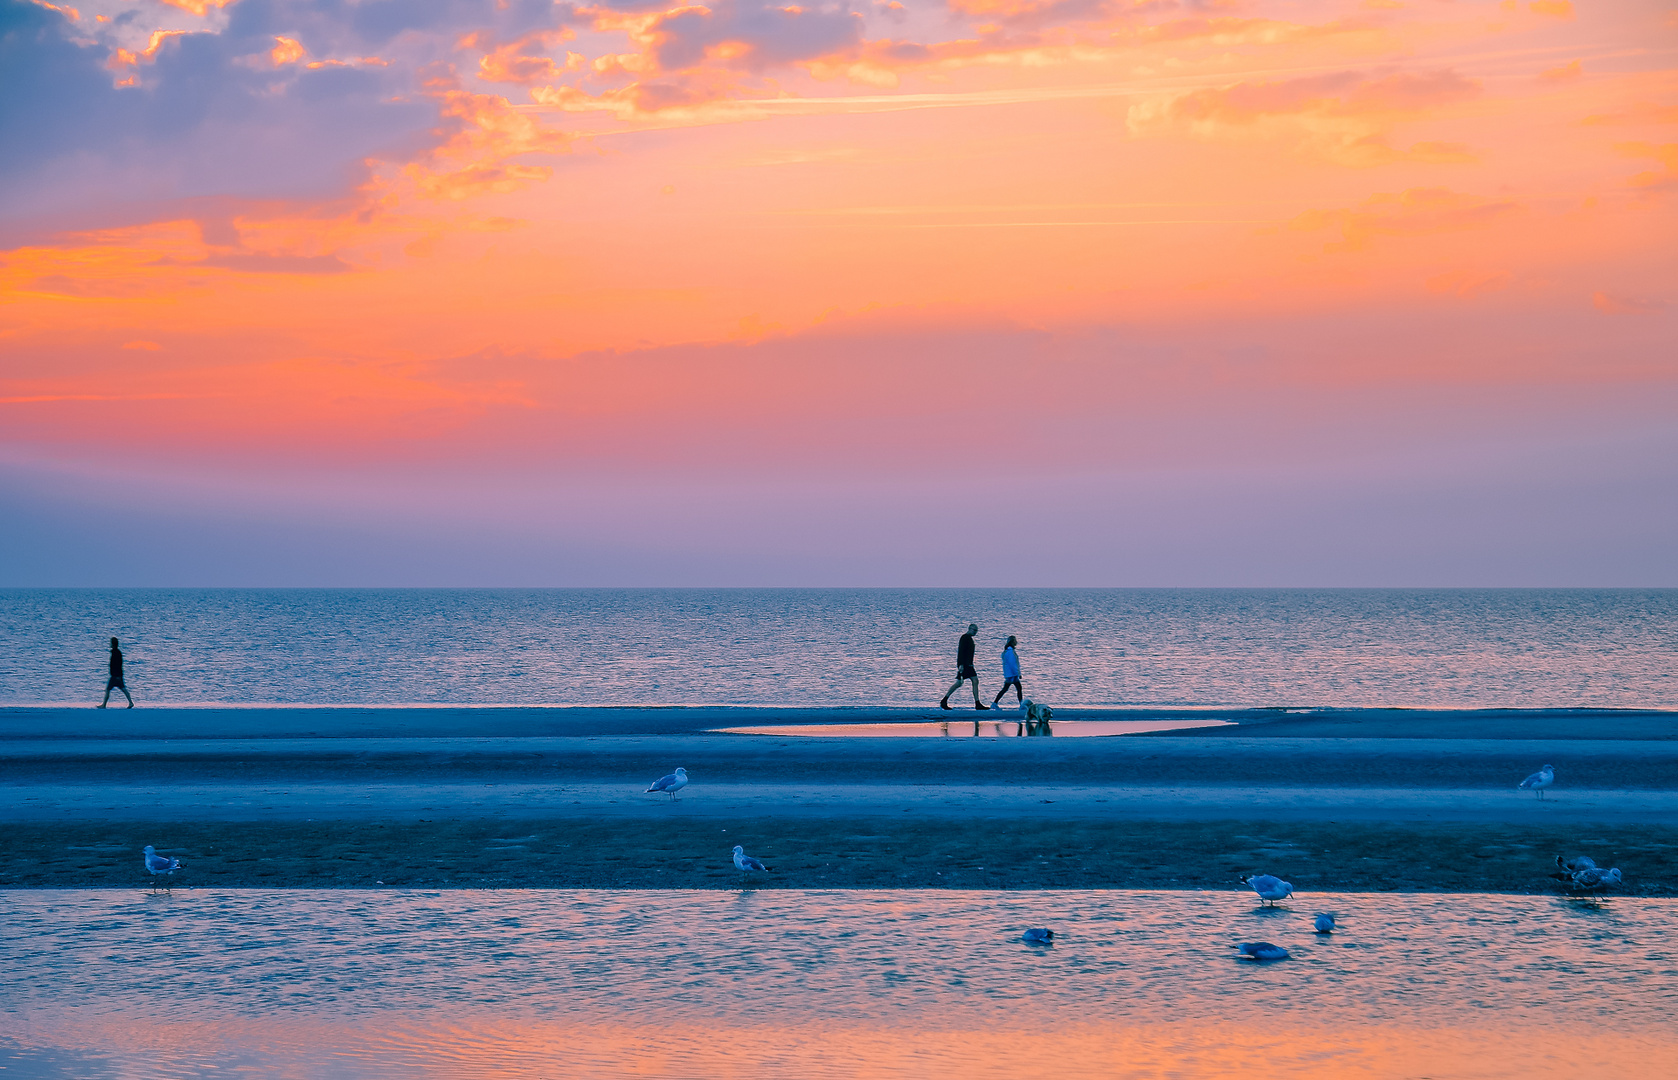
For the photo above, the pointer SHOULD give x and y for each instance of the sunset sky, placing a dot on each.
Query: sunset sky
(915, 292)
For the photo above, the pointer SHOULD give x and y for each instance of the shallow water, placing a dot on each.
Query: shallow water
(1420, 648)
(963, 727)
(819, 984)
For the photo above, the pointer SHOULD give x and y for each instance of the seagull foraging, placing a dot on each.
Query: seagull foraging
(1595, 877)
(671, 784)
(159, 866)
(1269, 887)
(1566, 868)
(1262, 950)
(1324, 923)
(745, 862)
(1038, 936)
(1539, 780)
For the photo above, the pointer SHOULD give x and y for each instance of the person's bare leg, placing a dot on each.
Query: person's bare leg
(944, 701)
(127, 695)
(107, 700)
(977, 702)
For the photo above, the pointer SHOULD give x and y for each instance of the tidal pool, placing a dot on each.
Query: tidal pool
(970, 726)
(374, 984)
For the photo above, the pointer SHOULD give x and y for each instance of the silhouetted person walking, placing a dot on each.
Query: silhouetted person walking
(965, 669)
(114, 682)
(1010, 671)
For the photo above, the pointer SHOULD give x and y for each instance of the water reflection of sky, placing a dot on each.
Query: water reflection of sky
(967, 727)
(604, 983)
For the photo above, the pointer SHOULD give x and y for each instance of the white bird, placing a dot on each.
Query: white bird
(671, 784)
(745, 862)
(1038, 936)
(1595, 877)
(160, 866)
(1539, 780)
(1262, 950)
(1581, 862)
(1324, 923)
(1269, 888)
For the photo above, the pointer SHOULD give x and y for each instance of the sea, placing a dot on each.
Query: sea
(821, 648)
(461, 985)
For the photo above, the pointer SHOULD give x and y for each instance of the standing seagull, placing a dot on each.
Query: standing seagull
(1540, 780)
(1269, 888)
(671, 784)
(160, 866)
(746, 863)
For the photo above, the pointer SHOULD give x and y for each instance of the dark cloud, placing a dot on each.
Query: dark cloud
(771, 33)
(210, 115)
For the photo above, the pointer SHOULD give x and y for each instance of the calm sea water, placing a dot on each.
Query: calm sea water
(1305, 648)
(815, 984)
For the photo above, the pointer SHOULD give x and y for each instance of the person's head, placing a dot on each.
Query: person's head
(113, 643)
(972, 628)
(1012, 641)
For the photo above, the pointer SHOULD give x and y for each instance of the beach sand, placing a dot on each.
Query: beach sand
(428, 807)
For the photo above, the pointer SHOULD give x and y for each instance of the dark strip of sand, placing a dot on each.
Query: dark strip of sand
(838, 852)
(796, 763)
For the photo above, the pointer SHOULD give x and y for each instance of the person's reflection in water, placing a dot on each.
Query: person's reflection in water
(115, 681)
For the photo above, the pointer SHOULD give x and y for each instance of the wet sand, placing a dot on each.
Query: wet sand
(426, 806)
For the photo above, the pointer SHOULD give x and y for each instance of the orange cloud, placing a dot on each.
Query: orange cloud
(1564, 72)
(1414, 212)
(527, 60)
(1663, 179)
(286, 51)
(1343, 116)
(478, 159)
(1468, 284)
(1623, 305)
(198, 7)
(1560, 9)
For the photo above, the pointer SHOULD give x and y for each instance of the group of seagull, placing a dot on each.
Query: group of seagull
(1270, 889)
(671, 783)
(1581, 871)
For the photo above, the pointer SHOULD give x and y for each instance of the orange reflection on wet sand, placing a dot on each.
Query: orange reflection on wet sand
(982, 728)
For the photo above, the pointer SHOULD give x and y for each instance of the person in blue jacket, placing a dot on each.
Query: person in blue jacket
(1010, 671)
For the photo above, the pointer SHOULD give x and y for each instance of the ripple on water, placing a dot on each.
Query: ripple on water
(827, 983)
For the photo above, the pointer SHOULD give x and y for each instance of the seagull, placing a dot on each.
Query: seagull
(1566, 868)
(745, 862)
(1325, 923)
(160, 866)
(671, 784)
(1595, 877)
(1539, 780)
(1038, 936)
(1262, 950)
(1269, 888)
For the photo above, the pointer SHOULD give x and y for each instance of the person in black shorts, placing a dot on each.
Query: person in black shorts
(965, 670)
(114, 682)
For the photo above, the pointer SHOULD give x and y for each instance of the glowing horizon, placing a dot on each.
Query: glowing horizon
(800, 275)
